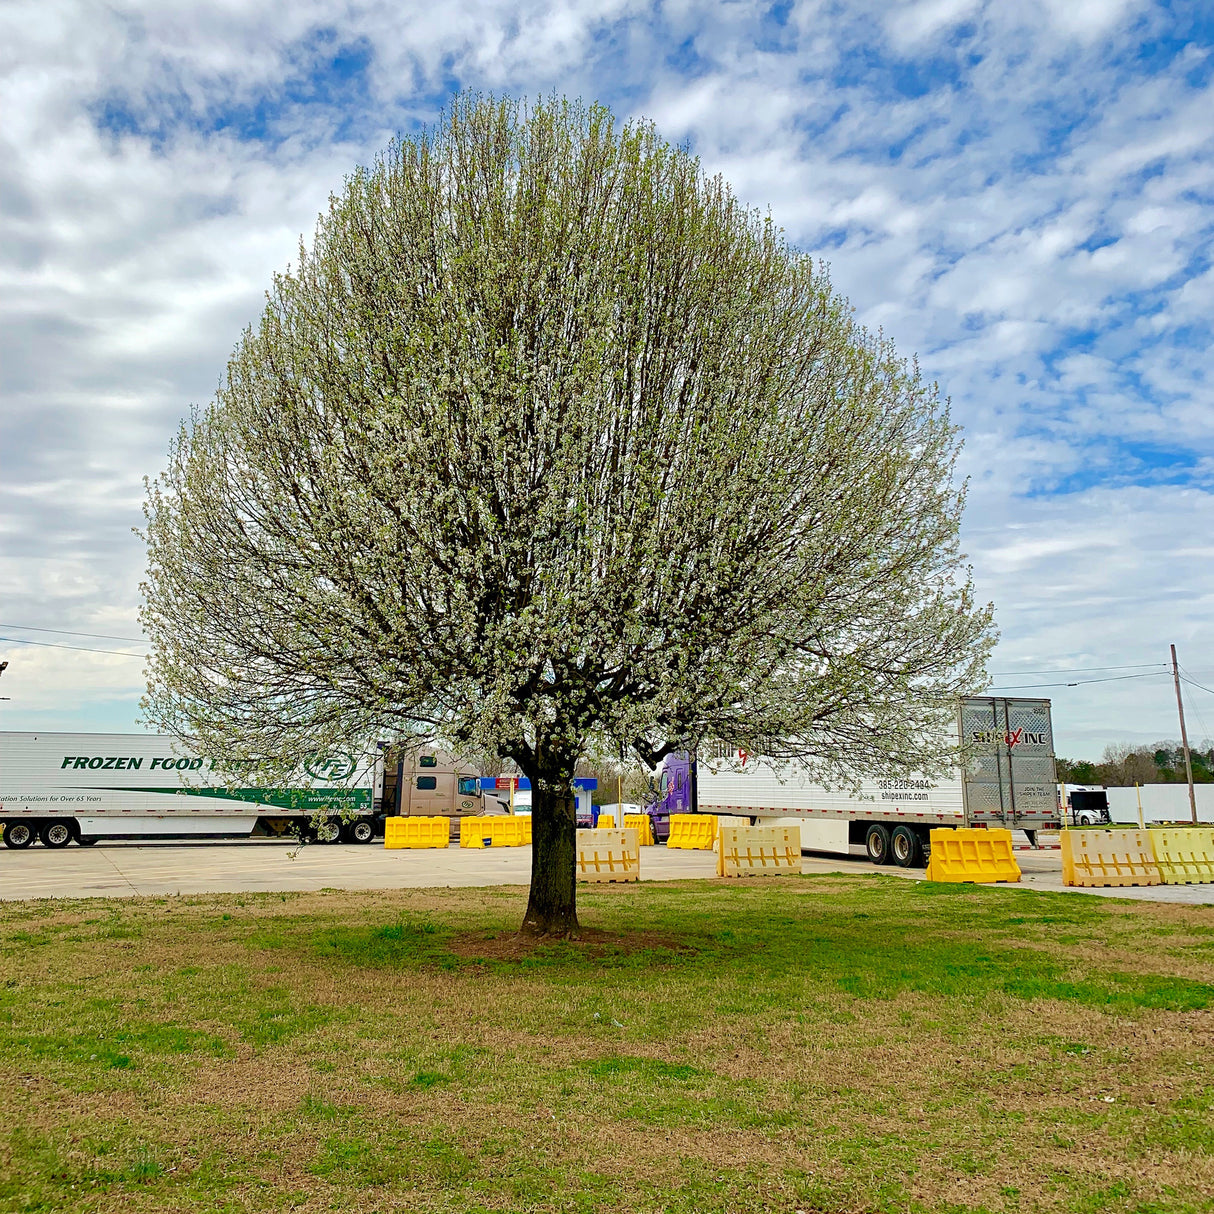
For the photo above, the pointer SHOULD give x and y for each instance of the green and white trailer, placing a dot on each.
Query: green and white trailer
(60, 787)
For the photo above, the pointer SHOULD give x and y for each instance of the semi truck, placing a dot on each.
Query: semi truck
(1084, 804)
(1006, 780)
(60, 788)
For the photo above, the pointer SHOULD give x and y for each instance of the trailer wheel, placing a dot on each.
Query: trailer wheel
(360, 830)
(56, 834)
(87, 840)
(18, 834)
(329, 831)
(904, 846)
(877, 841)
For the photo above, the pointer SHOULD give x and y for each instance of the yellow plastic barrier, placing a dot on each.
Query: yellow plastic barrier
(608, 855)
(1098, 858)
(731, 820)
(471, 832)
(693, 832)
(965, 854)
(755, 851)
(1185, 854)
(416, 832)
(502, 830)
(606, 822)
(511, 831)
(643, 825)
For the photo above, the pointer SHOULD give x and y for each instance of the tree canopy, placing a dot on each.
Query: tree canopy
(547, 442)
(1125, 765)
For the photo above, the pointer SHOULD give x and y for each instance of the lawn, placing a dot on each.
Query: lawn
(817, 1044)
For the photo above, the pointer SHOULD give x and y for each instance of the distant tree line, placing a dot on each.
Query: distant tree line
(1122, 766)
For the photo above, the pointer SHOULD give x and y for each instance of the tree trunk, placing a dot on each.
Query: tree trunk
(552, 906)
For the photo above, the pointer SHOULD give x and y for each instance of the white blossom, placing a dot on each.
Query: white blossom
(547, 445)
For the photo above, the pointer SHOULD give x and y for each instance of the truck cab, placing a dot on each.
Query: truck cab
(432, 784)
(674, 792)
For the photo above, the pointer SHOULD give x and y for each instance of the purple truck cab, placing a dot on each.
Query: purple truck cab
(675, 792)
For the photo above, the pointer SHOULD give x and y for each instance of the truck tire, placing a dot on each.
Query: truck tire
(329, 831)
(904, 846)
(56, 834)
(18, 834)
(876, 840)
(361, 830)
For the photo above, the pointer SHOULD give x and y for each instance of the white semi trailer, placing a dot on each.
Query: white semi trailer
(60, 787)
(1007, 781)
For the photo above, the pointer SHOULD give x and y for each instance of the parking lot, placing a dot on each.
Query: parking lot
(122, 869)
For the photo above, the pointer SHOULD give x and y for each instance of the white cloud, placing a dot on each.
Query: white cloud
(909, 24)
(1002, 188)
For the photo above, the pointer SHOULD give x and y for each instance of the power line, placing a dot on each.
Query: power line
(1195, 683)
(68, 632)
(1205, 729)
(1082, 669)
(1078, 683)
(77, 648)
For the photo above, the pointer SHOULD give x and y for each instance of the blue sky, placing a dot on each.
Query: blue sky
(1018, 194)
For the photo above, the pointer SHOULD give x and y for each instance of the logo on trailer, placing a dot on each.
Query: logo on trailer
(1017, 737)
(329, 768)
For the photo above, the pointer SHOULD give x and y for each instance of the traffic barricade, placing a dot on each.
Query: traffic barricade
(693, 832)
(966, 854)
(1100, 858)
(608, 855)
(510, 831)
(731, 820)
(409, 832)
(756, 851)
(1185, 854)
(605, 822)
(472, 832)
(495, 830)
(643, 825)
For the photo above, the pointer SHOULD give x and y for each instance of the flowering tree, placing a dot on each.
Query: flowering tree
(548, 443)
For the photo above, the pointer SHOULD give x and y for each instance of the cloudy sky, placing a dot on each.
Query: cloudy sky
(1018, 193)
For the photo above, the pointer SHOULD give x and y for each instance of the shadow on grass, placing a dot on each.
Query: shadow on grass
(409, 943)
(870, 942)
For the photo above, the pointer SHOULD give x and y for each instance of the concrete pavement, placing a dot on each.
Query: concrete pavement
(120, 869)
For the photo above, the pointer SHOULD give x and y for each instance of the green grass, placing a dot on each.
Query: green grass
(822, 1044)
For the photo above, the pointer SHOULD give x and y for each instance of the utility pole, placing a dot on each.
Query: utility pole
(1184, 739)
